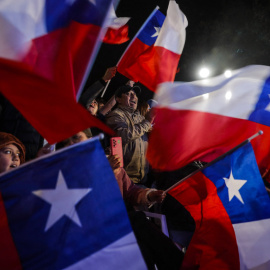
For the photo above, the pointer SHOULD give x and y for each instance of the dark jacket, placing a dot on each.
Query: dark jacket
(11, 121)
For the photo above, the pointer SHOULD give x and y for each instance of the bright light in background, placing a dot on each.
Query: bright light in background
(228, 95)
(205, 96)
(204, 72)
(228, 73)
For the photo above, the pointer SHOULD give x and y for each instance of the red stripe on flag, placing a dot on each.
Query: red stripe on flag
(63, 53)
(154, 66)
(213, 245)
(181, 136)
(116, 36)
(49, 107)
(9, 258)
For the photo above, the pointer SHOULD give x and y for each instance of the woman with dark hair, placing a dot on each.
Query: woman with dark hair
(12, 152)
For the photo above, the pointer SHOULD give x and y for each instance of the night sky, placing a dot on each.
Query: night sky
(221, 34)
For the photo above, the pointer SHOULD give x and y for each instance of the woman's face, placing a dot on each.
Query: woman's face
(9, 158)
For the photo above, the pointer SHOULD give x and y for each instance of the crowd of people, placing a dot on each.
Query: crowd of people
(131, 119)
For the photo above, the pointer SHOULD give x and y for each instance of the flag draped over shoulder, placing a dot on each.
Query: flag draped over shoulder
(45, 50)
(65, 211)
(231, 209)
(153, 56)
(117, 28)
(203, 119)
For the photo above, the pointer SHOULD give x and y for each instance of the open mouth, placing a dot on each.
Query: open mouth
(133, 103)
(13, 166)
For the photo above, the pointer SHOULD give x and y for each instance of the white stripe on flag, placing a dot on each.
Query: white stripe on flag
(253, 239)
(122, 254)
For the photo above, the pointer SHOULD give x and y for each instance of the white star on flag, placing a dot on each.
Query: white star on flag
(157, 31)
(234, 186)
(62, 200)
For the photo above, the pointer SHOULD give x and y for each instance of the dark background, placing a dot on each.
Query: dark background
(221, 34)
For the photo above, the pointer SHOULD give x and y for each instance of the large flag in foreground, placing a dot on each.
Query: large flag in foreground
(46, 47)
(153, 56)
(231, 209)
(65, 211)
(204, 119)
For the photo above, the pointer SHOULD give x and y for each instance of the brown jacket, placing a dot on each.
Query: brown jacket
(132, 127)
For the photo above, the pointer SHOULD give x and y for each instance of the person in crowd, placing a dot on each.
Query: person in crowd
(12, 152)
(143, 108)
(93, 91)
(129, 124)
(12, 121)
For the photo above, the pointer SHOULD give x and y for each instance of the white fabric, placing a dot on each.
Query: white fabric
(122, 254)
(172, 35)
(20, 22)
(113, 21)
(253, 239)
(235, 96)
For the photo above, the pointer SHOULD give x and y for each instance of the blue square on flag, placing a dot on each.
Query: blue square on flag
(66, 211)
(151, 29)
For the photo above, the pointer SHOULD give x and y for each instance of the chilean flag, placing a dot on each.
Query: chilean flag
(65, 211)
(231, 209)
(203, 119)
(46, 47)
(117, 28)
(153, 56)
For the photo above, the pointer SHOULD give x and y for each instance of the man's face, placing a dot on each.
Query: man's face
(93, 107)
(128, 99)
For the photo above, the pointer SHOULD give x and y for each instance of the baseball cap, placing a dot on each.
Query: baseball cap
(126, 88)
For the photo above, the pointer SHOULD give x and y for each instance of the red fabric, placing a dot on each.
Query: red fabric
(150, 65)
(43, 86)
(116, 36)
(213, 245)
(69, 55)
(8, 254)
(49, 106)
(181, 136)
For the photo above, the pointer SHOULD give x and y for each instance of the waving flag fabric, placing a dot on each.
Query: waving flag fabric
(117, 29)
(154, 55)
(65, 211)
(231, 208)
(204, 119)
(45, 48)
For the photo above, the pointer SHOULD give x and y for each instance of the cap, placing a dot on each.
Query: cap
(126, 88)
(7, 138)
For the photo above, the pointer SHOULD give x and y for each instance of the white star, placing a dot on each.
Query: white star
(157, 31)
(234, 186)
(268, 106)
(62, 200)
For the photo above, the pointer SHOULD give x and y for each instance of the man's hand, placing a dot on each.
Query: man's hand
(114, 161)
(110, 73)
(156, 196)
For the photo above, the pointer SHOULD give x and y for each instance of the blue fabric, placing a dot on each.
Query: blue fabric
(149, 29)
(260, 114)
(101, 212)
(243, 164)
(59, 13)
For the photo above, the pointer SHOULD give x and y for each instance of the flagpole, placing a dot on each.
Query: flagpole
(213, 161)
(130, 43)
